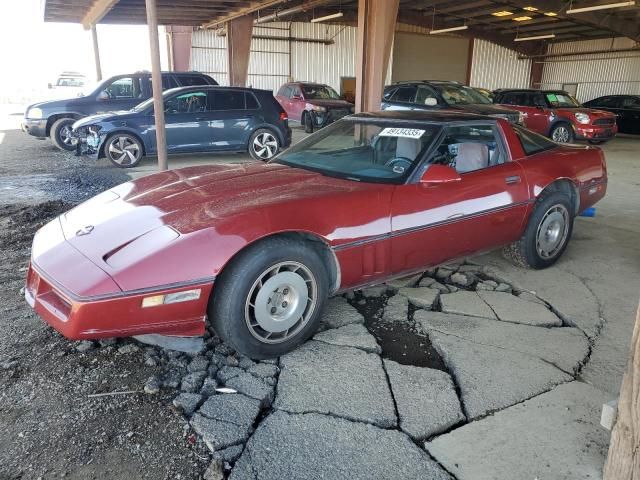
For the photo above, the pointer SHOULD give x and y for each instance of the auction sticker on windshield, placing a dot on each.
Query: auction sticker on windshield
(401, 132)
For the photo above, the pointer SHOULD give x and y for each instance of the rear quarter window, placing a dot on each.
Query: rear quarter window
(532, 142)
(191, 80)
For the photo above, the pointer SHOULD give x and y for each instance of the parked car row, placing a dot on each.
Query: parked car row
(115, 118)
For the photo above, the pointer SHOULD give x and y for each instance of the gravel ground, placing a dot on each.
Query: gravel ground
(51, 426)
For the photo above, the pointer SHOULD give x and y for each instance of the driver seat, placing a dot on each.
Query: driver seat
(408, 148)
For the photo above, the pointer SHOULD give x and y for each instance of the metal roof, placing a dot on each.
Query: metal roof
(535, 18)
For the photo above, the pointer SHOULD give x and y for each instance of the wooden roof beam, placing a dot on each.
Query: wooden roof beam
(96, 12)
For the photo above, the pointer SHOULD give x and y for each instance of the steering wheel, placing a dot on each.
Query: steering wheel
(401, 162)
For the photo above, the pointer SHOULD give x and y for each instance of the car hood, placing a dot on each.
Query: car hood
(331, 103)
(103, 117)
(213, 208)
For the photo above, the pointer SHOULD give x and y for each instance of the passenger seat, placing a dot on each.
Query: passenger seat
(472, 156)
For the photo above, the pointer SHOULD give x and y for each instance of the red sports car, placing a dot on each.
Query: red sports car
(258, 248)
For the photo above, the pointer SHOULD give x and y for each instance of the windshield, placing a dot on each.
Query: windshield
(370, 151)
(91, 87)
(559, 99)
(149, 101)
(462, 95)
(319, 92)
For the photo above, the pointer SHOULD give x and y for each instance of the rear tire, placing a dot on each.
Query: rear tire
(547, 234)
(263, 145)
(562, 133)
(307, 121)
(60, 134)
(270, 299)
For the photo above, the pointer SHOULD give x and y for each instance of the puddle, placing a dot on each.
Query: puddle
(400, 341)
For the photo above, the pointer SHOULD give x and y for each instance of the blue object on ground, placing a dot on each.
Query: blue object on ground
(589, 212)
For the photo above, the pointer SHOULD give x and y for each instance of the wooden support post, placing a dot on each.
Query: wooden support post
(623, 462)
(376, 25)
(96, 53)
(156, 80)
(239, 31)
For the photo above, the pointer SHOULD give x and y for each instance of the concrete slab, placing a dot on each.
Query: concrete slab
(354, 335)
(492, 378)
(398, 283)
(397, 308)
(341, 381)
(314, 446)
(421, 297)
(339, 313)
(566, 347)
(465, 303)
(233, 408)
(552, 436)
(426, 399)
(510, 308)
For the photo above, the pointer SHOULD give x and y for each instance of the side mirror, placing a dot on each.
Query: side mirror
(103, 95)
(436, 174)
(430, 102)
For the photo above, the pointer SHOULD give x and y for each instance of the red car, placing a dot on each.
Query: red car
(559, 116)
(314, 105)
(258, 248)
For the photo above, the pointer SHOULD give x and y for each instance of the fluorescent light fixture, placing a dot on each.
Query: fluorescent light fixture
(551, 14)
(452, 29)
(326, 17)
(536, 37)
(502, 13)
(601, 7)
(530, 9)
(521, 19)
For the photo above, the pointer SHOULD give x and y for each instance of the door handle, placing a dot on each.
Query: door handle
(513, 179)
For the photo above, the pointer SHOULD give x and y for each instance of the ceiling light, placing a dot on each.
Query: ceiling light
(551, 14)
(452, 29)
(530, 9)
(326, 17)
(601, 7)
(502, 13)
(536, 37)
(521, 19)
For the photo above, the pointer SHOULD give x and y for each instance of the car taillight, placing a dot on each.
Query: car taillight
(283, 116)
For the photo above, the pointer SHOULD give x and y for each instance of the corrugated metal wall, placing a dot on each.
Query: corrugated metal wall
(595, 74)
(494, 67)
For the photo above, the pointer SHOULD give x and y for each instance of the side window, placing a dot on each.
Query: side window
(538, 100)
(388, 92)
(532, 142)
(404, 94)
(126, 87)
(631, 102)
(191, 80)
(283, 92)
(509, 99)
(228, 100)
(426, 96)
(168, 82)
(251, 101)
(190, 102)
(295, 91)
(469, 147)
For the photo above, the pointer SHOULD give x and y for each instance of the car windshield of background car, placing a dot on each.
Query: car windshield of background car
(461, 95)
(319, 92)
(562, 100)
(378, 152)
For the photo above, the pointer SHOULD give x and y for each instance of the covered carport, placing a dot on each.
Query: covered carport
(528, 28)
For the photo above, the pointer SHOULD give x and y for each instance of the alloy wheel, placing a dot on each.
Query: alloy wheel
(552, 231)
(265, 145)
(123, 150)
(66, 136)
(281, 302)
(561, 134)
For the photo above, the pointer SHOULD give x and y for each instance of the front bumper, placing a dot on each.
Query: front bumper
(37, 128)
(81, 301)
(88, 145)
(595, 132)
(322, 119)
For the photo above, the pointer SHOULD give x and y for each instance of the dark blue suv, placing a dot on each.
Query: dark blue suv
(197, 119)
(54, 118)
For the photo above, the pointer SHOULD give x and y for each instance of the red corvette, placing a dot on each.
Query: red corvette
(258, 248)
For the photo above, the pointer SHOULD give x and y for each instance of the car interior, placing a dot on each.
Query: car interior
(468, 148)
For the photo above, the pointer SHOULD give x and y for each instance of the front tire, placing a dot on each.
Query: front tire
(547, 234)
(61, 134)
(263, 145)
(562, 133)
(123, 150)
(270, 299)
(307, 120)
